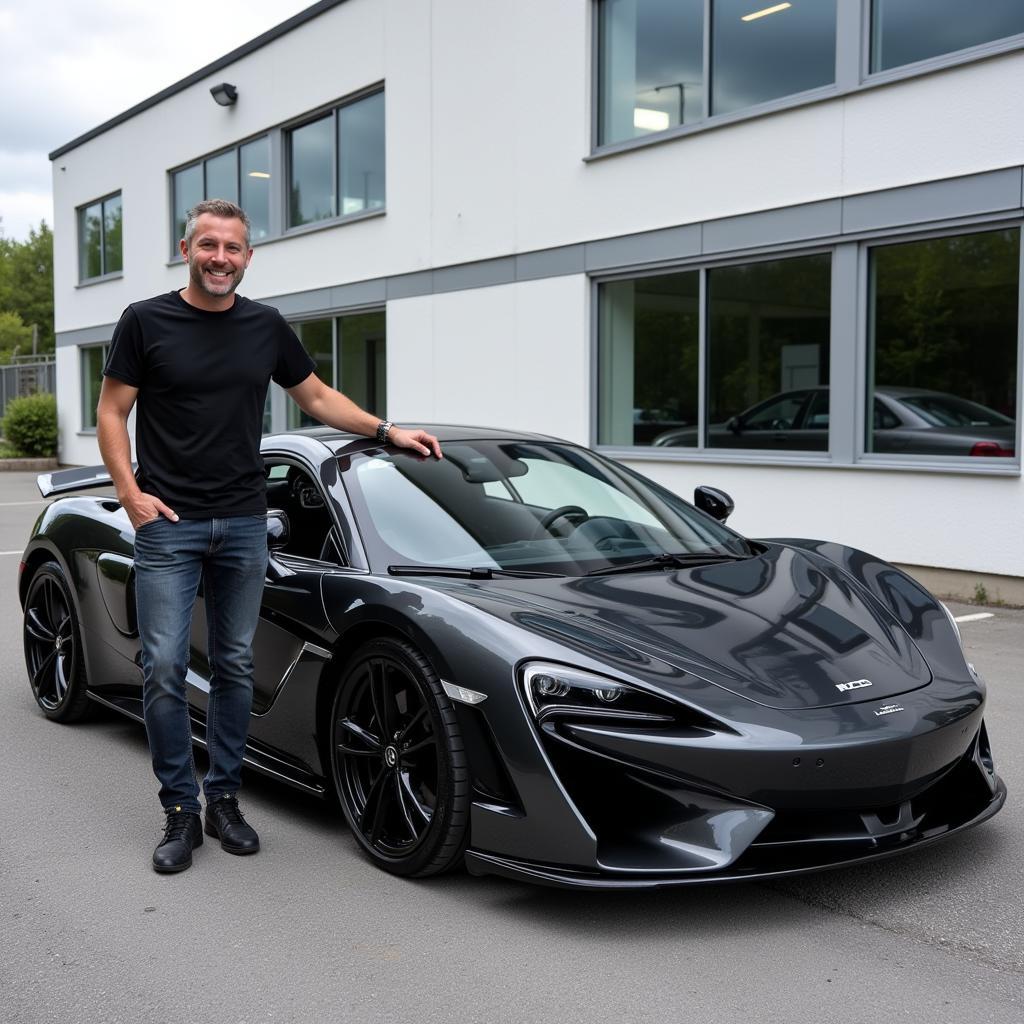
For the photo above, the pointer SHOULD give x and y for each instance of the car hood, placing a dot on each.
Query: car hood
(784, 629)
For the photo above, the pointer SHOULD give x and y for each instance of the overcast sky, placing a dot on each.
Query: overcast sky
(67, 66)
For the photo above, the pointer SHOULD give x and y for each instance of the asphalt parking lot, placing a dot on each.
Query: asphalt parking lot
(307, 931)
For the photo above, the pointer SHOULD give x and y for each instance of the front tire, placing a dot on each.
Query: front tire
(53, 647)
(398, 761)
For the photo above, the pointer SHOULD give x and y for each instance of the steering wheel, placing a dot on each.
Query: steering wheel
(562, 512)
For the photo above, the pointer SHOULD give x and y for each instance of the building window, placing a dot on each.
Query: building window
(92, 360)
(336, 164)
(943, 346)
(654, 72)
(99, 238)
(240, 174)
(350, 353)
(905, 31)
(766, 356)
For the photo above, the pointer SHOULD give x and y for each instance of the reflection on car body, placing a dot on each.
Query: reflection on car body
(533, 659)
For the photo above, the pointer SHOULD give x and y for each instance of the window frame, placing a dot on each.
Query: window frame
(280, 172)
(104, 275)
(201, 162)
(849, 330)
(85, 428)
(333, 109)
(853, 75)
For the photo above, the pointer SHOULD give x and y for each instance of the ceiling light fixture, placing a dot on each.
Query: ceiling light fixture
(754, 15)
(225, 94)
(258, 174)
(650, 120)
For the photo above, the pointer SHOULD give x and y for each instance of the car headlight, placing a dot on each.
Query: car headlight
(552, 689)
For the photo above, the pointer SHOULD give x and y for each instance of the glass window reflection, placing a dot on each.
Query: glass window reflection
(651, 66)
(254, 166)
(311, 161)
(649, 344)
(188, 190)
(943, 333)
(905, 31)
(761, 51)
(361, 154)
(768, 355)
(317, 337)
(222, 176)
(90, 234)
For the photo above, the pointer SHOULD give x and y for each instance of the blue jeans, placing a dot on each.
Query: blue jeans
(230, 556)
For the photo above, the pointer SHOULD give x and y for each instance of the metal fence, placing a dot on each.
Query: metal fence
(27, 378)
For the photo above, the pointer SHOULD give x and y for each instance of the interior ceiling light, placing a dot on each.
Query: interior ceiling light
(650, 120)
(754, 15)
(225, 94)
(258, 174)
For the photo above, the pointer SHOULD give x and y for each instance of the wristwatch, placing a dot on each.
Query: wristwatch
(382, 430)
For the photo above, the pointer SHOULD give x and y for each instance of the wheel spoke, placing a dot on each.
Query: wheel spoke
(36, 628)
(54, 609)
(424, 812)
(374, 801)
(40, 674)
(379, 697)
(412, 723)
(60, 680)
(400, 799)
(360, 733)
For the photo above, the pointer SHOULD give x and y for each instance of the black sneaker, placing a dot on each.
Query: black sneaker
(183, 832)
(224, 821)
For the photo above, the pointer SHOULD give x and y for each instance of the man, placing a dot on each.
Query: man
(198, 363)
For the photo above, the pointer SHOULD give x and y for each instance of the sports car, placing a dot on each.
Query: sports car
(531, 659)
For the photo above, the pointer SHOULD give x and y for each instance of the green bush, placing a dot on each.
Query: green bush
(30, 426)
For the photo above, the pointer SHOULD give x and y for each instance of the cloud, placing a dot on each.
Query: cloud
(68, 67)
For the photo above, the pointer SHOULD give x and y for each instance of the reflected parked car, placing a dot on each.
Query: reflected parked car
(911, 420)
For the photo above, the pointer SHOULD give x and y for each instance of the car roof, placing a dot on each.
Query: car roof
(446, 433)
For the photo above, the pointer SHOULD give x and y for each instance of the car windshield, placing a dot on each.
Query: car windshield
(950, 411)
(521, 505)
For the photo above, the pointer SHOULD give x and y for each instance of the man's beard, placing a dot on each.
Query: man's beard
(197, 278)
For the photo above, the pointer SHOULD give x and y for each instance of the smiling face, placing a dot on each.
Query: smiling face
(217, 259)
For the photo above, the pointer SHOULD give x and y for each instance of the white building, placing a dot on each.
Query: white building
(715, 239)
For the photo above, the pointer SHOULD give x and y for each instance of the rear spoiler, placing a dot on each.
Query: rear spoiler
(65, 481)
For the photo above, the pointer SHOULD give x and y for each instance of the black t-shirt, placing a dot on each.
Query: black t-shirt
(202, 380)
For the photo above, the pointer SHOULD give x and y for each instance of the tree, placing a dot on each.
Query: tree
(14, 334)
(26, 283)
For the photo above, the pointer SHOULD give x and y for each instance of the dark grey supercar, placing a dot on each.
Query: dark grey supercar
(531, 658)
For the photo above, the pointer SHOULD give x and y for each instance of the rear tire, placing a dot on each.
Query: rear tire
(398, 761)
(53, 647)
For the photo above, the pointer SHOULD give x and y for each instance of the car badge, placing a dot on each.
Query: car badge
(889, 709)
(856, 684)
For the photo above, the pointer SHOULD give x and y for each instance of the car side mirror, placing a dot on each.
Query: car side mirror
(279, 530)
(733, 424)
(716, 503)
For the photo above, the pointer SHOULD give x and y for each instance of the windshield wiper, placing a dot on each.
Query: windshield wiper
(482, 572)
(667, 560)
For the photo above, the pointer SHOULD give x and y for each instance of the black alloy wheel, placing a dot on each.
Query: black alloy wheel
(398, 761)
(53, 647)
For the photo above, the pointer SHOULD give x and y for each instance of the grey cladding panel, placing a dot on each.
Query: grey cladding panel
(360, 293)
(934, 201)
(482, 274)
(85, 335)
(299, 303)
(646, 247)
(566, 259)
(406, 286)
(774, 227)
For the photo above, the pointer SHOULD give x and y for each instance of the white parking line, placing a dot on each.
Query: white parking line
(10, 552)
(8, 504)
(976, 617)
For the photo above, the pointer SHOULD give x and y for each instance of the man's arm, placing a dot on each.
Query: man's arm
(334, 409)
(116, 401)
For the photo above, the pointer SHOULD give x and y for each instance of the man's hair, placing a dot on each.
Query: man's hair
(219, 208)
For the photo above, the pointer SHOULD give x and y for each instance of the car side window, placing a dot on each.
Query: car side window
(778, 415)
(293, 490)
(884, 419)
